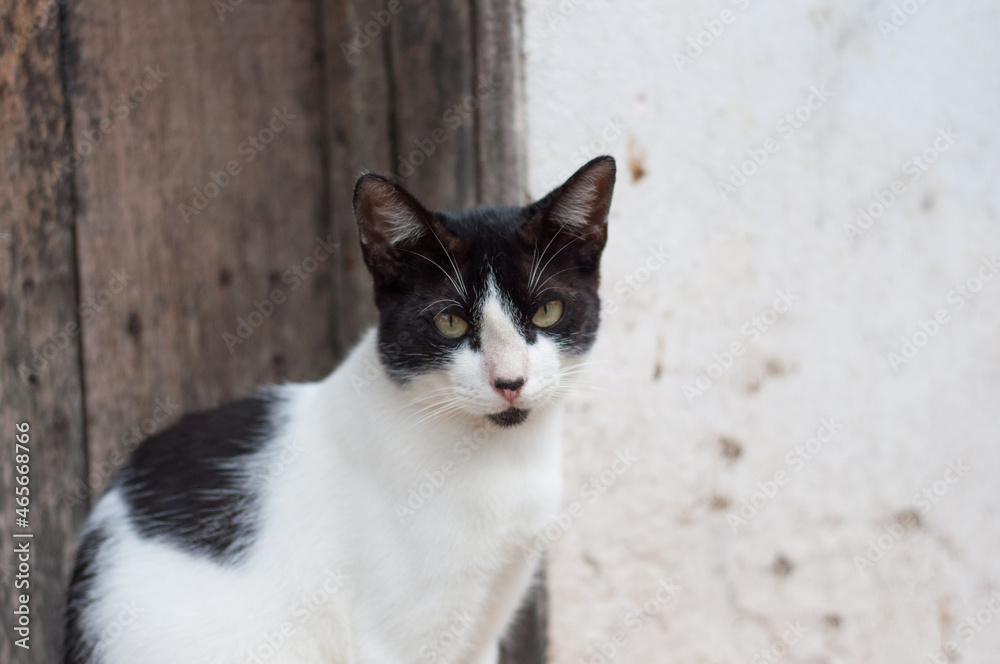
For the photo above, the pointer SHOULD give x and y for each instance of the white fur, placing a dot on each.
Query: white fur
(338, 509)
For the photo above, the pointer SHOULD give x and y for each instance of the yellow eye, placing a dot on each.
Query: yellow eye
(451, 325)
(548, 314)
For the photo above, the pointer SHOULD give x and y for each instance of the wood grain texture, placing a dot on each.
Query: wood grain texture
(500, 152)
(435, 102)
(220, 113)
(39, 339)
(358, 123)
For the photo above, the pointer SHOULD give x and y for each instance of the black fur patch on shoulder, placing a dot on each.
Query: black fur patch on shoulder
(188, 483)
(77, 648)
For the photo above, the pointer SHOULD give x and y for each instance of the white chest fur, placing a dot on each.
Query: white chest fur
(429, 521)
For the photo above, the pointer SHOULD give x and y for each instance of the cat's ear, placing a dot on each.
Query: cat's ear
(391, 222)
(576, 213)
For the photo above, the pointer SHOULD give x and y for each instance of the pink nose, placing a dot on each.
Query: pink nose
(509, 389)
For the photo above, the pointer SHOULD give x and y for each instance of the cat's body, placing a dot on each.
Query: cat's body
(388, 513)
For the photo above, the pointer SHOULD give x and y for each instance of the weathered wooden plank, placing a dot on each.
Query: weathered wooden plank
(359, 138)
(39, 335)
(202, 190)
(435, 102)
(500, 150)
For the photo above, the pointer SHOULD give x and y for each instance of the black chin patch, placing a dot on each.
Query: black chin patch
(510, 417)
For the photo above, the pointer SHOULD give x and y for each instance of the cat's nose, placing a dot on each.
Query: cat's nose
(509, 389)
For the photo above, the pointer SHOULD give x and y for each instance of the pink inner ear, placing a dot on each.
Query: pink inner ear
(386, 214)
(586, 196)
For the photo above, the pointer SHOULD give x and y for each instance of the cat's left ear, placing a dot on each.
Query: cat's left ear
(391, 223)
(576, 213)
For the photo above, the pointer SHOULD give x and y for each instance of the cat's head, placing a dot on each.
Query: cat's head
(486, 312)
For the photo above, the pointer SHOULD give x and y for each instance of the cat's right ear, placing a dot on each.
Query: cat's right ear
(391, 222)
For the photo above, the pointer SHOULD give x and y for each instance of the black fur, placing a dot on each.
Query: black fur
(181, 485)
(509, 417)
(415, 279)
(77, 648)
(526, 641)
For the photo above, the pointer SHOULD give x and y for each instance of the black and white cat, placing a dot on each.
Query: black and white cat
(383, 514)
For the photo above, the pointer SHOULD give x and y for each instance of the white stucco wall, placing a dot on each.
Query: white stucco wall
(799, 559)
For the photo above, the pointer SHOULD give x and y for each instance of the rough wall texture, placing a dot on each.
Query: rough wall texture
(811, 394)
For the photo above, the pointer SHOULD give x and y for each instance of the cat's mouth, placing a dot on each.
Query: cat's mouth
(510, 417)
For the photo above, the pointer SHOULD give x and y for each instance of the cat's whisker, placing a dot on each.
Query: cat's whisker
(535, 273)
(441, 301)
(561, 249)
(584, 368)
(459, 289)
(454, 265)
(432, 393)
(447, 410)
(425, 409)
(575, 267)
(608, 371)
(590, 363)
(453, 402)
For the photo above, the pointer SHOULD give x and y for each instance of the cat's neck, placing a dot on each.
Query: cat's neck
(358, 437)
